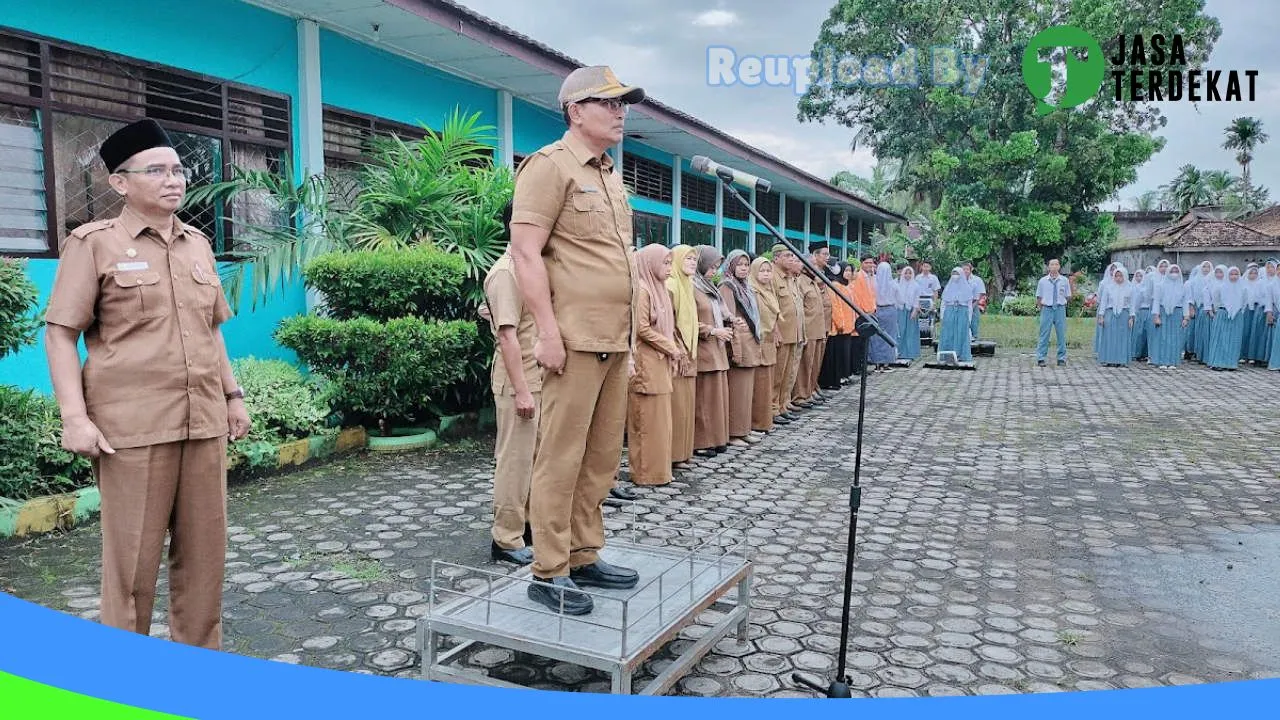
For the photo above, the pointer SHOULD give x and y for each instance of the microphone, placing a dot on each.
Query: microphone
(706, 166)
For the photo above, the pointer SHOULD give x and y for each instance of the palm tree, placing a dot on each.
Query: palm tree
(1148, 201)
(1188, 189)
(1219, 184)
(1244, 135)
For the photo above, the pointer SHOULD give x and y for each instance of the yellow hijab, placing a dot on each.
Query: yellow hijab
(768, 301)
(682, 295)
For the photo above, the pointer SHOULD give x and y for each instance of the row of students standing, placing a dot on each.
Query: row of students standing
(1219, 316)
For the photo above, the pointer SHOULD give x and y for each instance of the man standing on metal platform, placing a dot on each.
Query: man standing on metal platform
(571, 239)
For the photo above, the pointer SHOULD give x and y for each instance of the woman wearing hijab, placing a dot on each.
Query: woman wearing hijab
(1097, 329)
(840, 334)
(1257, 299)
(1115, 316)
(684, 265)
(848, 362)
(740, 300)
(711, 395)
(908, 313)
(1226, 309)
(761, 282)
(1143, 299)
(1273, 362)
(879, 352)
(1272, 280)
(657, 357)
(1170, 317)
(957, 305)
(1200, 290)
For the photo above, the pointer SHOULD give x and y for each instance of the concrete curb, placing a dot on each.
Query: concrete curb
(64, 511)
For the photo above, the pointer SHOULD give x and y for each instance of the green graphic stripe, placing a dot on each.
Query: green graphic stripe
(26, 700)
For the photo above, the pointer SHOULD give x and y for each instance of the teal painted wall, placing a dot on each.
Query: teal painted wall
(367, 80)
(532, 127)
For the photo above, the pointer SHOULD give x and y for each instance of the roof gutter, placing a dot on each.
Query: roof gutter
(466, 23)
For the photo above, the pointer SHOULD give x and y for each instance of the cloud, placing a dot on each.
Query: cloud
(716, 19)
(822, 159)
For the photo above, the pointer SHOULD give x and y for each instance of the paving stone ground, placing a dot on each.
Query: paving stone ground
(1022, 530)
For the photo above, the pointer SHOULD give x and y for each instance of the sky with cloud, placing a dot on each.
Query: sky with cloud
(667, 46)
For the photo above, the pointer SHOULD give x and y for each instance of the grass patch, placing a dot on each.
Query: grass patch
(353, 566)
(1068, 638)
(1014, 331)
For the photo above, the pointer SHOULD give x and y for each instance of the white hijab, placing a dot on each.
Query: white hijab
(958, 289)
(1144, 290)
(886, 288)
(1170, 292)
(1116, 295)
(908, 291)
(1228, 295)
(1256, 290)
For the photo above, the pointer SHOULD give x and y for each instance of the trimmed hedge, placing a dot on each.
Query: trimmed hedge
(32, 461)
(421, 281)
(382, 374)
(18, 295)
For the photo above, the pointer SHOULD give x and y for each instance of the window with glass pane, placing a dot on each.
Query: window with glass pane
(23, 216)
(650, 229)
(695, 233)
(80, 179)
(733, 240)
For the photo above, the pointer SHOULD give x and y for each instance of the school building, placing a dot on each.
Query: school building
(250, 83)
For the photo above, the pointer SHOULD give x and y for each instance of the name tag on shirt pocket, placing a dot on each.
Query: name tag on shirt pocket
(133, 266)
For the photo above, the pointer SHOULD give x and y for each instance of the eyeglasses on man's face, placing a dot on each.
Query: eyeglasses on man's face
(613, 105)
(160, 172)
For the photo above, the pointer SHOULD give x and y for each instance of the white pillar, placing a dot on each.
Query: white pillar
(804, 248)
(844, 236)
(751, 224)
(675, 200)
(506, 134)
(782, 214)
(826, 235)
(859, 239)
(310, 110)
(310, 114)
(719, 218)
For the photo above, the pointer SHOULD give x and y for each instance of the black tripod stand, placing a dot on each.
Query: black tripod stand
(866, 326)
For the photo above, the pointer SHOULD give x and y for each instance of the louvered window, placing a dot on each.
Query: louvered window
(732, 239)
(697, 193)
(647, 178)
(59, 102)
(649, 229)
(733, 208)
(817, 221)
(768, 205)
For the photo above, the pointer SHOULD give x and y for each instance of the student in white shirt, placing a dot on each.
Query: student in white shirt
(1052, 293)
(979, 291)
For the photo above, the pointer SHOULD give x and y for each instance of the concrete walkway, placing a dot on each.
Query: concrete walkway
(1023, 529)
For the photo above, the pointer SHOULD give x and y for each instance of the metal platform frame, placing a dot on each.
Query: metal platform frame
(684, 570)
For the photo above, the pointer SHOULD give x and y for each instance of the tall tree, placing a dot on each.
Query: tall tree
(1148, 201)
(1219, 185)
(1244, 135)
(1011, 185)
(1188, 189)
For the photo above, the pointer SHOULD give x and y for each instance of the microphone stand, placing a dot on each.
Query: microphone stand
(867, 326)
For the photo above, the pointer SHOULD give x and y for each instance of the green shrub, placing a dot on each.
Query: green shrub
(1022, 305)
(420, 281)
(32, 461)
(18, 295)
(282, 404)
(382, 374)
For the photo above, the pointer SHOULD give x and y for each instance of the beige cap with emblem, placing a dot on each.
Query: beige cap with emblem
(597, 81)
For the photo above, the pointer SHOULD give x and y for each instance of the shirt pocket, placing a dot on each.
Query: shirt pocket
(590, 213)
(136, 296)
(208, 285)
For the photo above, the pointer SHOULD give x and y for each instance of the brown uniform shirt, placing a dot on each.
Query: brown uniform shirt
(744, 351)
(789, 326)
(815, 323)
(824, 294)
(653, 368)
(712, 355)
(148, 309)
(579, 198)
(506, 309)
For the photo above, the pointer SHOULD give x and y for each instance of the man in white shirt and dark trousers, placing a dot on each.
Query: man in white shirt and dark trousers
(1052, 293)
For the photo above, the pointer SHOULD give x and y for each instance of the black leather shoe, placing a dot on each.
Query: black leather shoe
(721, 448)
(781, 420)
(791, 416)
(602, 574)
(519, 556)
(705, 452)
(551, 592)
(620, 492)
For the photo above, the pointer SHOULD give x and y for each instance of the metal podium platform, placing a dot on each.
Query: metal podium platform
(684, 569)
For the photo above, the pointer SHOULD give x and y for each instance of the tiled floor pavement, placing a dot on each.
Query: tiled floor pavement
(1022, 530)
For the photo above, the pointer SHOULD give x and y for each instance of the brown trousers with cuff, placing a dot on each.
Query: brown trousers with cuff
(179, 489)
(513, 470)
